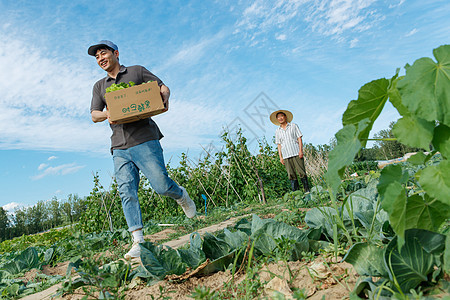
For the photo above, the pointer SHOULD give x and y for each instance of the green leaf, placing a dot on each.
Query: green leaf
(236, 239)
(195, 240)
(27, 259)
(447, 255)
(431, 242)
(160, 262)
(396, 99)
(271, 231)
(12, 290)
(219, 264)
(348, 145)
(425, 213)
(11, 267)
(417, 159)
(435, 180)
(441, 140)
(194, 256)
(368, 260)
(110, 280)
(48, 255)
(321, 218)
(412, 263)
(423, 132)
(425, 89)
(394, 203)
(214, 247)
(390, 174)
(371, 99)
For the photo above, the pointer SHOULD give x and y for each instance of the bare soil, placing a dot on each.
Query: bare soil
(318, 278)
(59, 269)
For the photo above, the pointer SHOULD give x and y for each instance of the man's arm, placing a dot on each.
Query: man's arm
(279, 153)
(165, 94)
(100, 116)
(300, 145)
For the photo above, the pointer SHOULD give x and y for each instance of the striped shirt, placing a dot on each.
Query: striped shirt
(288, 139)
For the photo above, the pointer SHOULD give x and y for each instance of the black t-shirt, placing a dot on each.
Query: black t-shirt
(131, 134)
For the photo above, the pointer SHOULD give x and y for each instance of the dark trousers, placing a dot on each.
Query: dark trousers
(296, 165)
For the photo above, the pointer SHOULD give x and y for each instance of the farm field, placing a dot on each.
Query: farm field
(377, 234)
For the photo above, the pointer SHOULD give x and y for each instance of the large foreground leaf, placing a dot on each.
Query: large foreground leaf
(435, 180)
(447, 255)
(423, 132)
(368, 260)
(371, 99)
(414, 261)
(390, 174)
(393, 196)
(441, 140)
(348, 145)
(425, 89)
(394, 203)
(425, 213)
(396, 99)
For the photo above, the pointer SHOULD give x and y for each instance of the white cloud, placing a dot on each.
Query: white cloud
(266, 14)
(336, 17)
(354, 42)
(189, 124)
(400, 2)
(45, 101)
(52, 157)
(42, 166)
(10, 207)
(412, 32)
(328, 18)
(58, 170)
(281, 37)
(190, 54)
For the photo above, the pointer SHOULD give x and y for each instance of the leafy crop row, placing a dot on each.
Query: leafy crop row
(415, 200)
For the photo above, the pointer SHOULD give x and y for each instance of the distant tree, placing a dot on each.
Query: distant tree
(20, 226)
(37, 218)
(54, 212)
(78, 206)
(73, 207)
(4, 224)
(367, 154)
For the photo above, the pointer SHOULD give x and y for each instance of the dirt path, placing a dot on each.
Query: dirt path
(181, 241)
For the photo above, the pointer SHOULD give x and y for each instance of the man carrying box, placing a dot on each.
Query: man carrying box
(135, 146)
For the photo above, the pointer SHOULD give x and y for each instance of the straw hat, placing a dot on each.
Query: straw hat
(273, 116)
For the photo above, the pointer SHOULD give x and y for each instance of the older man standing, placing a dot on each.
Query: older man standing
(288, 138)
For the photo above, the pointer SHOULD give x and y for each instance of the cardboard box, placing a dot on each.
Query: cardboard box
(135, 103)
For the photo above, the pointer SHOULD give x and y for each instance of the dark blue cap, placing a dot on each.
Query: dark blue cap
(93, 49)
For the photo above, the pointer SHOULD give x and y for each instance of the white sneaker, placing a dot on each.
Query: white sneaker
(134, 252)
(187, 204)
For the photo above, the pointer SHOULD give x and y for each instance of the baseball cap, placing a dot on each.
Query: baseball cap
(93, 49)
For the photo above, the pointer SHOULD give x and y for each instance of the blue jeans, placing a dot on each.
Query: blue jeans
(148, 158)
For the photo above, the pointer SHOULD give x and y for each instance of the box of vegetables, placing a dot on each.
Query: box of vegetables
(128, 102)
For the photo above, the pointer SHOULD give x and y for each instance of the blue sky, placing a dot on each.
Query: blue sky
(227, 63)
